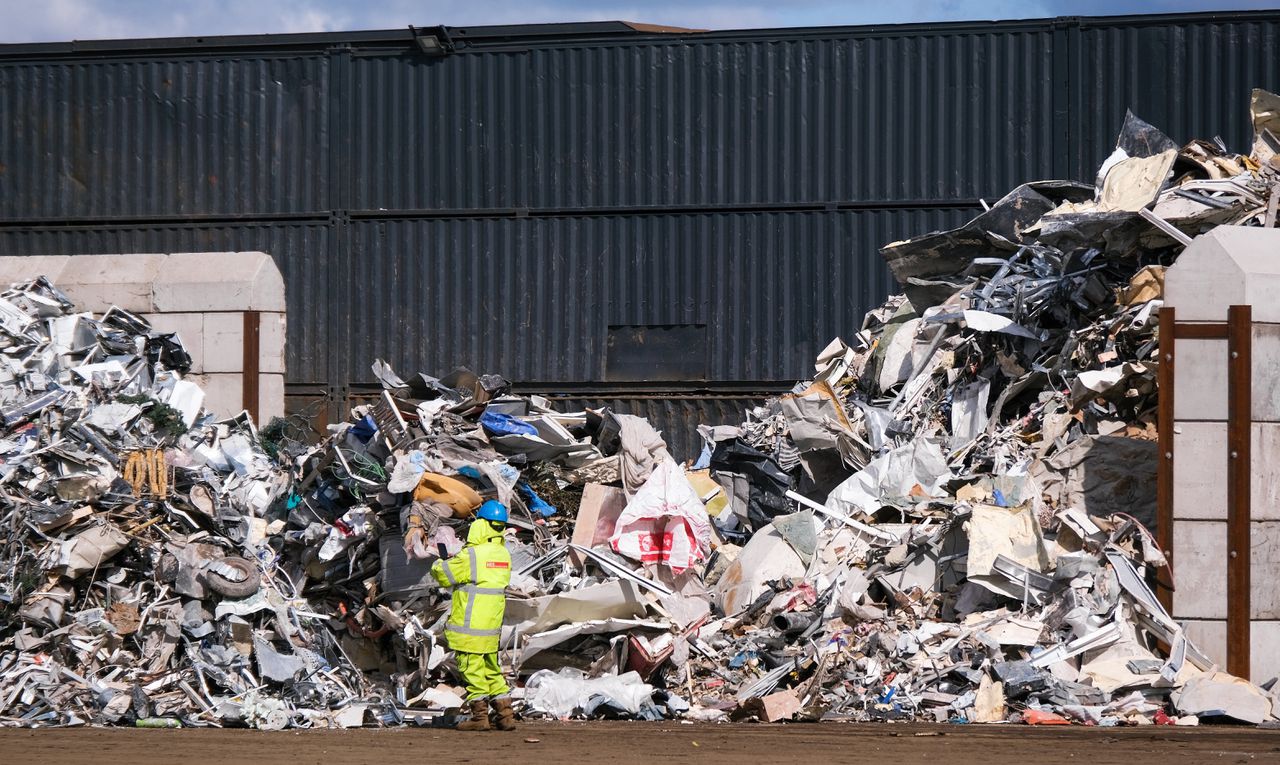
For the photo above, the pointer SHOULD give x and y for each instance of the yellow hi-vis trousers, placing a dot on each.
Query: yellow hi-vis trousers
(481, 673)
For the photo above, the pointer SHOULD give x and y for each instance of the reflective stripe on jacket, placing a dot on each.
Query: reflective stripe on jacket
(478, 575)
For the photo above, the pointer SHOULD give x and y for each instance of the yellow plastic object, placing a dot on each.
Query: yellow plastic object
(704, 484)
(457, 494)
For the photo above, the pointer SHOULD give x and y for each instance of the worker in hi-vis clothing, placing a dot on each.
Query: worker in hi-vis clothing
(478, 576)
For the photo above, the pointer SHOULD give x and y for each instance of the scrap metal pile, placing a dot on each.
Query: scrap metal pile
(975, 471)
(137, 567)
(950, 521)
(162, 567)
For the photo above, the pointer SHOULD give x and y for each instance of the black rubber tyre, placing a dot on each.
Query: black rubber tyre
(234, 589)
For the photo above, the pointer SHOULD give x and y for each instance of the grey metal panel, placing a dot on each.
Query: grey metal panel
(431, 133)
(533, 298)
(784, 121)
(1191, 78)
(428, 295)
(166, 136)
(677, 417)
(300, 250)
(927, 116)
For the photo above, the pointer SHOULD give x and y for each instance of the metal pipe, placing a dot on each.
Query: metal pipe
(793, 622)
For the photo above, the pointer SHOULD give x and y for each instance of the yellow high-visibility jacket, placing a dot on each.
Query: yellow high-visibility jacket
(479, 575)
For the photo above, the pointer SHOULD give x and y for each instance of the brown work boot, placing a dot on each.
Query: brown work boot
(479, 716)
(505, 714)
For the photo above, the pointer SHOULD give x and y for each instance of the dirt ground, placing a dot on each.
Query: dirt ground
(573, 743)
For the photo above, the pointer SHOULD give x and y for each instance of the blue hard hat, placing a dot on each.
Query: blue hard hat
(493, 510)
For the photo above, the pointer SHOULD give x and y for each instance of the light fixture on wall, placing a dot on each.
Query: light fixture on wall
(433, 41)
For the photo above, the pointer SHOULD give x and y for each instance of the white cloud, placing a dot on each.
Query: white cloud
(58, 20)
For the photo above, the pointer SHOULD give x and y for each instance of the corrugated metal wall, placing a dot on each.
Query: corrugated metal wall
(445, 133)
(511, 204)
(917, 117)
(165, 136)
(533, 297)
(1191, 78)
(662, 123)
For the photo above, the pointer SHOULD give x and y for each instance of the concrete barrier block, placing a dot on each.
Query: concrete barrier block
(97, 282)
(268, 293)
(219, 281)
(21, 268)
(1200, 380)
(223, 342)
(270, 397)
(1230, 265)
(190, 329)
(1264, 555)
(1200, 569)
(223, 393)
(1200, 470)
(1210, 636)
(1266, 370)
(271, 343)
(1264, 659)
(1265, 504)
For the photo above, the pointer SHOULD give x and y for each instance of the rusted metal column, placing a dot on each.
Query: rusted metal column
(252, 342)
(1164, 468)
(1239, 484)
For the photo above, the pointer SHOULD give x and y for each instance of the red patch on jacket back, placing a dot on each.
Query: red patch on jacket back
(497, 564)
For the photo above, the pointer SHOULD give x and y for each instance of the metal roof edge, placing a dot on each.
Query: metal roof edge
(482, 37)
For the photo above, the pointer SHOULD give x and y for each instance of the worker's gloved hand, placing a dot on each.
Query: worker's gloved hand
(415, 544)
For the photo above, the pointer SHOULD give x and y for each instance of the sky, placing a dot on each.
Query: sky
(59, 20)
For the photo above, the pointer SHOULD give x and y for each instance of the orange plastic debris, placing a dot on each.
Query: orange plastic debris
(1040, 717)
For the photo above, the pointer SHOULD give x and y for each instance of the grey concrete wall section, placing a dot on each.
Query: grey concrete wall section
(1200, 569)
(182, 282)
(224, 393)
(1200, 383)
(201, 296)
(1200, 468)
(216, 340)
(1210, 636)
(1231, 265)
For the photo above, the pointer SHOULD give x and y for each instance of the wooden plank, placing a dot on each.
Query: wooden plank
(1239, 483)
(1164, 468)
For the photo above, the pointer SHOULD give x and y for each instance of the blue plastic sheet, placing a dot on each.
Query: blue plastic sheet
(364, 429)
(536, 504)
(498, 424)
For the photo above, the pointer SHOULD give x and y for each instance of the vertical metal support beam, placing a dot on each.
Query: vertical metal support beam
(249, 370)
(1239, 484)
(1164, 468)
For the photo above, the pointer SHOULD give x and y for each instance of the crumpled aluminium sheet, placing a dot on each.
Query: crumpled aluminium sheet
(917, 468)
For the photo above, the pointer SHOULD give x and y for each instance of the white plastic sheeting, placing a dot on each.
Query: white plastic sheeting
(665, 522)
(560, 694)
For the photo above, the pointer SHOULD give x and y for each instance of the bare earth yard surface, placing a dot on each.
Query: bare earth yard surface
(605, 742)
